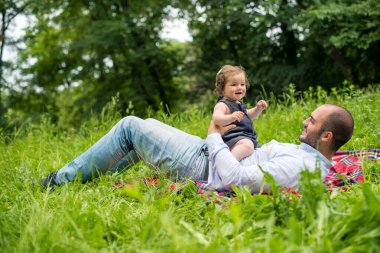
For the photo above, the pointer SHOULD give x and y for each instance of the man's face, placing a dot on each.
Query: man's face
(313, 126)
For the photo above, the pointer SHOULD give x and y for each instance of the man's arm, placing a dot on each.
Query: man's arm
(284, 169)
(227, 168)
(213, 128)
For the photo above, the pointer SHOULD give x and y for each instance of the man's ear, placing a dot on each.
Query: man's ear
(327, 136)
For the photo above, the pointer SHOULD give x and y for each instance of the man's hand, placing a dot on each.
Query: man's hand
(218, 129)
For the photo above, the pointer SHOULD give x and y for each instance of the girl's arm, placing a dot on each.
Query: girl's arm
(256, 111)
(222, 115)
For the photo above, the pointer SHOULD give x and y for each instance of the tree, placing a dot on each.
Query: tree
(8, 11)
(101, 48)
(258, 35)
(349, 33)
(307, 43)
(79, 54)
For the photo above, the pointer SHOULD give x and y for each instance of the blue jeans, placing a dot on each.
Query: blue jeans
(132, 139)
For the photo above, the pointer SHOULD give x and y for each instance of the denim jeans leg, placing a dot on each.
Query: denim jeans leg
(133, 139)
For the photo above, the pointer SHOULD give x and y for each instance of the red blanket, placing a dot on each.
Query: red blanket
(347, 167)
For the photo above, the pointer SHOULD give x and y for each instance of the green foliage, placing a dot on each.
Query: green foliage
(81, 54)
(307, 43)
(9, 10)
(77, 55)
(348, 32)
(95, 216)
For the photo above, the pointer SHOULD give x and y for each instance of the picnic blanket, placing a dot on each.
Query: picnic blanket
(347, 170)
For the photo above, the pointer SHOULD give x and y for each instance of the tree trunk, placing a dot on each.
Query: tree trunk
(2, 41)
(341, 62)
(290, 42)
(8, 12)
(233, 51)
(156, 79)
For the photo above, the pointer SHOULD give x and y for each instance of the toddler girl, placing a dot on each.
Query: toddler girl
(231, 85)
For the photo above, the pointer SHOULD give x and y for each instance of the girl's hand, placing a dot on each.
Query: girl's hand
(262, 105)
(237, 116)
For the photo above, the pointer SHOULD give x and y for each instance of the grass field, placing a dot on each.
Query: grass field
(95, 217)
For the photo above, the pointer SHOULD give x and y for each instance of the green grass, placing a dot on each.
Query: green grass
(95, 217)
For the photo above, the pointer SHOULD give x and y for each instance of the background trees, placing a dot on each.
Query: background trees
(79, 54)
(8, 11)
(85, 52)
(285, 41)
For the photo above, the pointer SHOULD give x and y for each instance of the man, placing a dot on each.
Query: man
(325, 131)
(185, 156)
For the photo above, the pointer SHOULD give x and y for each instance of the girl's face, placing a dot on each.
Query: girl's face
(235, 87)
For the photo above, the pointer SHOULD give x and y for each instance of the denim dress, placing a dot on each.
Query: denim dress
(243, 130)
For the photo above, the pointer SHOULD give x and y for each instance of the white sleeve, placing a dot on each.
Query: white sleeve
(285, 169)
(228, 169)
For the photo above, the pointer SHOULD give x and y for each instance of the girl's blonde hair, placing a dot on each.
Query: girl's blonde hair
(224, 73)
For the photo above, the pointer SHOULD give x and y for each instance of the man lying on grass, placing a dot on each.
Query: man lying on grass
(182, 155)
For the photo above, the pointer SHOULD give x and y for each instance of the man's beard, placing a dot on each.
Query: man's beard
(312, 140)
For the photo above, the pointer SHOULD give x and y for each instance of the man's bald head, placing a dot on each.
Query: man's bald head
(340, 122)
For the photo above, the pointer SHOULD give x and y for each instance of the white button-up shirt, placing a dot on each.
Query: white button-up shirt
(283, 161)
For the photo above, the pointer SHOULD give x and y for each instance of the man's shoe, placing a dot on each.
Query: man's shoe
(50, 180)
